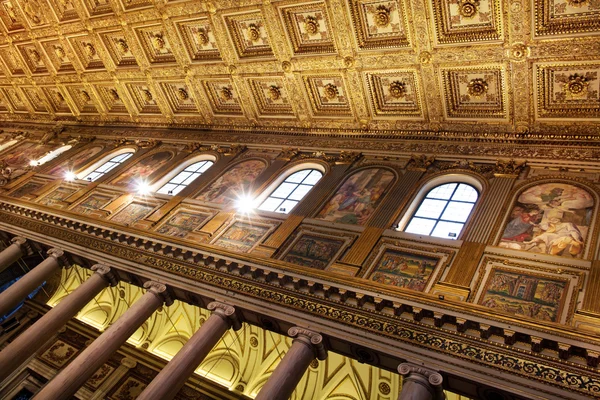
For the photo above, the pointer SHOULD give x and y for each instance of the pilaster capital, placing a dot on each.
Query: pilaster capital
(18, 240)
(106, 272)
(312, 339)
(59, 255)
(159, 289)
(227, 312)
(429, 378)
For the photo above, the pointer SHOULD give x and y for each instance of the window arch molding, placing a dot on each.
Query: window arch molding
(476, 181)
(286, 172)
(87, 170)
(183, 165)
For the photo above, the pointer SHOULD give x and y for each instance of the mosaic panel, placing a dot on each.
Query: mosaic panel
(33, 58)
(568, 91)
(95, 201)
(242, 236)
(143, 98)
(178, 96)
(86, 50)
(403, 269)
(462, 21)
(249, 35)
(82, 98)
(395, 94)
(328, 95)
(132, 213)
(155, 44)
(473, 93)
(182, 223)
(271, 96)
(198, 37)
(11, 61)
(110, 96)
(118, 48)
(232, 183)
(26, 189)
(11, 16)
(20, 156)
(566, 17)
(223, 97)
(314, 251)
(142, 169)
(379, 24)
(307, 27)
(56, 196)
(57, 55)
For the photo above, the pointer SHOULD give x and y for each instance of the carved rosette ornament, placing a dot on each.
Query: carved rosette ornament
(35, 56)
(577, 3)
(468, 8)
(331, 91)
(226, 94)
(311, 339)
(182, 94)
(122, 45)
(227, 313)
(106, 272)
(519, 52)
(114, 94)
(254, 32)
(311, 25)
(423, 379)
(577, 86)
(90, 50)
(147, 95)
(397, 89)
(477, 87)
(202, 35)
(160, 290)
(382, 16)
(158, 41)
(274, 92)
(85, 96)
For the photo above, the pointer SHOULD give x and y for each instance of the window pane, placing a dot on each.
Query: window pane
(442, 192)
(297, 177)
(178, 189)
(191, 178)
(313, 178)
(105, 167)
(207, 165)
(447, 230)
(420, 226)
(300, 192)
(288, 205)
(284, 190)
(270, 204)
(431, 208)
(458, 212)
(93, 176)
(180, 177)
(465, 193)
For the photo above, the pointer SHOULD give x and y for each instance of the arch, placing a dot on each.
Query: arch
(51, 155)
(442, 206)
(550, 216)
(359, 195)
(179, 178)
(85, 174)
(290, 187)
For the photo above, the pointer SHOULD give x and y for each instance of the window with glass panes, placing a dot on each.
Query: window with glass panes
(184, 178)
(291, 191)
(107, 166)
(444, 211)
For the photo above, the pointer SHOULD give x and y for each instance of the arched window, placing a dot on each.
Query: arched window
(51, 156)
(291, 191)
(107, 166)
(8, 144)
(184, 178)
(444, 211)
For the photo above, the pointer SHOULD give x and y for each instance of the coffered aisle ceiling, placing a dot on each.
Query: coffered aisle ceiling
(458, 65)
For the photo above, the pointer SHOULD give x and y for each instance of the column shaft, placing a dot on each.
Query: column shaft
(173, 376)
(17, 292)
(73, 376)
(26, 344)
(12, 253)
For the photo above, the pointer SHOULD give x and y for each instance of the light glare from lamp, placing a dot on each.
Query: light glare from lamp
(244, 204)
(33, 163)
(143, 188)
(70, 176)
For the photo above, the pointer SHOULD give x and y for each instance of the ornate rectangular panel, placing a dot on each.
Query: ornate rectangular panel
(135, 4)
(462, 21)
(184, 220)
(86, 51)
(57, 55)
(118, 48)
(223, 97)
(155, 44)
(57, 195)
(143, 97)
(64, 10)
(568, 90)
(271, 97)
(98, 7)
(243, 234)
(35, 13)
(198, 37)
(566, 17)
(94, 201)
(308, 28)
(32, 56)
(395, 94)
(475, 92)
(249, 35)
(380, 24)
(328, 95)
(133, 212)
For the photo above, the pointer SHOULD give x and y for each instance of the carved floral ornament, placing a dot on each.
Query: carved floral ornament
(577, 85)
(59, 51)
(226, 93)
(331, 91)
(477, 87)
(89, 48)
(85, 96)
(114, 94)
(274, 92)
(147, 94)
(398, 89)
(254, 32)
(468, 8)
(311, 25)
(182, 94)
(122, 45)
(158, 41)
(382, 16)
(577, 3)
(35, 56)
(203, 38)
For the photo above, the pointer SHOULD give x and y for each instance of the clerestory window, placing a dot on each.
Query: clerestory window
(107, 166)
(289, 192)
(184, 178)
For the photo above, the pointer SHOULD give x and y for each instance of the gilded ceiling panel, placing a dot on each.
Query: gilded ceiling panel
(198, 37)
(461, 21)
(179, 97)
(271, 97)
(82, 99)
(249, 35)
(155, 43)
(224, 98)
(11, 16)
(112, 99)
(380, 24)
(566, 17)
(308, 28)
(395, 94)
(87, 51)
(12, 64)
(56, 100)
(55, 52)
(328, 95)
(32, 57)
(144, 97)
(118, 48)
(35, 99)
(14, 98)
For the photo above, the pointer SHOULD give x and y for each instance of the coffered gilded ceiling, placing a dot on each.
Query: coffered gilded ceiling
(502, 66)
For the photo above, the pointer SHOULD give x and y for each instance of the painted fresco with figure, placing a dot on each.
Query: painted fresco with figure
(410, 271)
(57, 195)
(233, 183)
(241, 236)
(524, 294)
(550, 218)
(358, 197)
(143, 169)
(182, 223)
(23, 154)
(26, 189)
(93, 202)
(313, 251)
(78, 161)
(133, 212)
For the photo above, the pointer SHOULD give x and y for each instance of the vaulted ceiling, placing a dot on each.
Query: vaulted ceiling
(503, 66)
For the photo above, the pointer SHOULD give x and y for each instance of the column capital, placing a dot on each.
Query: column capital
(159, 289)
(106, 272)
(226, 312)
(430, 379)
(312, 339)
(59, 255)
(18, 240)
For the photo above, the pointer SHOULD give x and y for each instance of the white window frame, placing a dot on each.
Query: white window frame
(52, 155)
(173, 173)
(105, 159)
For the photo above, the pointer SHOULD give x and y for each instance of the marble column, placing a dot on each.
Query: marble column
(26, 344)
(12, 253)
(173, 376)
(73, 376)
(420, 383)
(306, 346)
(19, 290)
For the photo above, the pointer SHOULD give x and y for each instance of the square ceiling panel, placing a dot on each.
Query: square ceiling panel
(15, 99)
(87, 51)
(118, 48)
(223, 97)
(566, 17)
(111, 98)
(568, 90)
(64, 10)
(475, 92)
(11, 61)
(395, 94)
(11, 16)
(98, 7)
(249, 34)
(271, 97)
(33, 58)
(35, 99)
(198, 36)
(379, 24)
(462, 21)
(179, 97)
(144, 98)
(36, 12)
(82, 98)
(55, 51)
(56, 99)
(328, 95)
(155, 44)
(308, 28)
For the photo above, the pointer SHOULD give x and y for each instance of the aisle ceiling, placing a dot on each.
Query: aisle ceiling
(423, 65)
